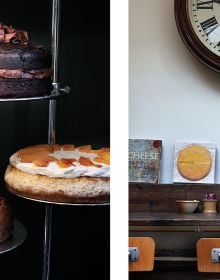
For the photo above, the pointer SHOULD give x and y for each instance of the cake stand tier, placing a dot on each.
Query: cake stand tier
(61, 93)
(19, 234)
(60, 203)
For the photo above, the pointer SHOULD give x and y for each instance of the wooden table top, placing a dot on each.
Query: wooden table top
(173, 219)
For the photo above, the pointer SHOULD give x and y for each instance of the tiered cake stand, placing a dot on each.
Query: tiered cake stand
(57, 92)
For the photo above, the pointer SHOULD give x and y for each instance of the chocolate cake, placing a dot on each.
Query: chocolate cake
(6, 221)
(25, 69)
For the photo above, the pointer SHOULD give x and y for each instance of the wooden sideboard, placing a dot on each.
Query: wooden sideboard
(153, 213)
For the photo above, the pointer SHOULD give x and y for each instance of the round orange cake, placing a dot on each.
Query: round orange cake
(60, 173)
(194, 162)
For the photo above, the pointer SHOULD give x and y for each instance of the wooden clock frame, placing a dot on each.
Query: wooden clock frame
(190, 38)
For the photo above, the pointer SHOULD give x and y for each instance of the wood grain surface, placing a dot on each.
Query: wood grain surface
(157, 198)
(173, 219)
(146, 246)
(204, 247)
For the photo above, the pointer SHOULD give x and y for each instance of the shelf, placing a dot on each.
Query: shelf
(173, 219)
(18, 236)
(161, 198)
(63, 92)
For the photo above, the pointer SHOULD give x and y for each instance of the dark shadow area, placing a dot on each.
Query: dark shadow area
(81, 235)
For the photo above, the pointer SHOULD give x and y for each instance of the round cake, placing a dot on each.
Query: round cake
(6, 221)
(194, 162)
(25, 69)
(60, 173)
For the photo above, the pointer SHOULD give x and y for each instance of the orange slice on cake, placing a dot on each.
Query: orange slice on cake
(65, 162)
(87, 162)
(34, 150)
(40, 162)
(85, 149)
(68, 147)
(28, 158)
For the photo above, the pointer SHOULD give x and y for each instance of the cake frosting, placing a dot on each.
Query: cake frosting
(9, 34)
(60, 173)
(25, 68)
(76, 162)
(25, 74)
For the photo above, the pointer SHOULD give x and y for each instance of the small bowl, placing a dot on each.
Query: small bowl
(187, 206)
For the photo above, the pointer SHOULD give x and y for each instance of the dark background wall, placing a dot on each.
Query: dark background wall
(80, 245)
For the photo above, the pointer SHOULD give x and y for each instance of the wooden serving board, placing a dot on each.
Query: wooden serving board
(146, 247)
(204, 247)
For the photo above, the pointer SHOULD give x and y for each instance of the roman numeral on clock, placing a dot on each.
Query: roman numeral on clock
(204, 5)
(209, 25)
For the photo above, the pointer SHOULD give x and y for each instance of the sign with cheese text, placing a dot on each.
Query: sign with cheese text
(144, 160)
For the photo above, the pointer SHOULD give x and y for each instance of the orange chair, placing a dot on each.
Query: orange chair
(141, 253)
(208, 254)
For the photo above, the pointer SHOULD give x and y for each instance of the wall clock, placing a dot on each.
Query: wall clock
(198, 23)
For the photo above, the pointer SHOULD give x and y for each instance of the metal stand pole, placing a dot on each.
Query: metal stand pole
(52, 128)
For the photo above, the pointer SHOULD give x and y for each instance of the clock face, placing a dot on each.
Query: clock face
(204, 17)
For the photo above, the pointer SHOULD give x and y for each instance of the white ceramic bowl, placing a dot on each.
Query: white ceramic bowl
(187, 206)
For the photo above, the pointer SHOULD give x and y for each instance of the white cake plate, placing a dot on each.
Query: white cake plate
(18, 236)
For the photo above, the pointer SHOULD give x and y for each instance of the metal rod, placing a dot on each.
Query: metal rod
(175, 259)
(47, 242)
(52, 122)
(55, 40)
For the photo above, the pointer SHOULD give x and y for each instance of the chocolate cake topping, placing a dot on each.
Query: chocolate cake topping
(25, 68)
(8, 34)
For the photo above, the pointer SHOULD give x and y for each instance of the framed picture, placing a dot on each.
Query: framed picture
(144, 160)
(194, 163)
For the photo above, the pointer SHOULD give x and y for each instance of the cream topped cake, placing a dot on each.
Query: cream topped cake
(63, 163)
(62, 173)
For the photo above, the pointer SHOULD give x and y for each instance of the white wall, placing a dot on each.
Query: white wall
(172, 96)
